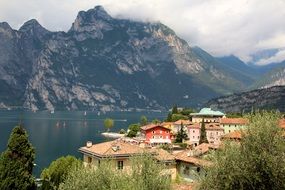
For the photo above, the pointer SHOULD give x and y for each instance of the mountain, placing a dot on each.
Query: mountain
(240, 70)
(275, 76)
(104, 63)
(267, 98)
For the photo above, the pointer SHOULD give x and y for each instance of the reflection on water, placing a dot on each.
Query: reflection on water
(62, 133)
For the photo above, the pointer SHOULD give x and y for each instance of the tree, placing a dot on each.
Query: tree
(57, 171)
(181, 135)
(108, 123)
(133, 130)
(174, 109)
(17, 162)
(155, 121)
(143, 120)
(145, 174)
(203, 134)
(176, 117)
(122, 131)
(169, 117)
(257, 162)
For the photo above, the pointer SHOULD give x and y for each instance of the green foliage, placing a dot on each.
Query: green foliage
(187, 111)
(174, 109)
(133, 130)
(108, 123)
(181, 135)
(258, 162)
(57, 171)
(169, 117)
(203, 134)
(145, 174)
(234, 115)
(143, 120)
(176, 117)
(122, 131)
(155, 121)
(166, 147)
(17, 161)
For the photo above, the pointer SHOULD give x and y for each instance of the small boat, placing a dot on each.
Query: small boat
(52, 111)
(98, 113)
(85, 113)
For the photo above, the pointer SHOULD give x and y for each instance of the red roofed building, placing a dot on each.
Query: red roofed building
(156, 134)
(233, 124)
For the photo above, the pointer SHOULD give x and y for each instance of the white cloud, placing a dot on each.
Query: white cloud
(221, 27)
(278, 57)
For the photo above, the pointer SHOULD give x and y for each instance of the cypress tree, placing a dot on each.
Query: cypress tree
(17, 161)
(174, 109)
(181, 135)
(169, 117)
(203, 134)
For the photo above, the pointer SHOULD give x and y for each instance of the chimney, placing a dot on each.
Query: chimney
(88, 144)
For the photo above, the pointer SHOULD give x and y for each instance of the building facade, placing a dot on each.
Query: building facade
(193, 132)
(209, 116)
(156, 134)
(120, 153)
(214, 133)
(233, 124)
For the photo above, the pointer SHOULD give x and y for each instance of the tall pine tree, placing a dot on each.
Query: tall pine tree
(181, 135)
(17, 161)
(203, 134)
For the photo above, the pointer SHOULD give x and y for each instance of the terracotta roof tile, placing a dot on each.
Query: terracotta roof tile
(112, 148)
(162, 155)
(235, 135)
(240, 121)
(150, 126)
(282, 123)
(213, 126)
(184, 122)
(195, 125)
(183, 156)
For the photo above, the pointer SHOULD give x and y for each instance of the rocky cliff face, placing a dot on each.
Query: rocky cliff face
(104, 63)
(267, 98)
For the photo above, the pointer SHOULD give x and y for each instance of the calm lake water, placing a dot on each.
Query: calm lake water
(62, 133)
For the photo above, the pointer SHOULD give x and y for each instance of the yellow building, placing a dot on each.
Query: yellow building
(120, 153)
(209, 116)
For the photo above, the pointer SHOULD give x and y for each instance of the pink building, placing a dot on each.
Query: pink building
(213, 132)
(193, 132)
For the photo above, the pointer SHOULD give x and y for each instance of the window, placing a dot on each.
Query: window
(120, 165)
(217, 133)
(229, 131)
(198, 137)
(193, 137)
(89, 160)
(193, 131)
(160, 137)
(99, 162)
(152, 132)
(167, 131)
(198, 169)
(153, 137)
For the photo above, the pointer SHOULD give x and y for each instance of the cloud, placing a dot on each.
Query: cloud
(221, 27)
(277, 58)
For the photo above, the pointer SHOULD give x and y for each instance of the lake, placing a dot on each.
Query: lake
(62, 133)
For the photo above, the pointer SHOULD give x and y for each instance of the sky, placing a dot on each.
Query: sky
(221, 27)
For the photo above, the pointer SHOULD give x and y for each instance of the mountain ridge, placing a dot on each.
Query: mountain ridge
(104, 63)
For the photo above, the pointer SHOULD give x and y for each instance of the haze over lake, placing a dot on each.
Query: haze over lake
(62, 133)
